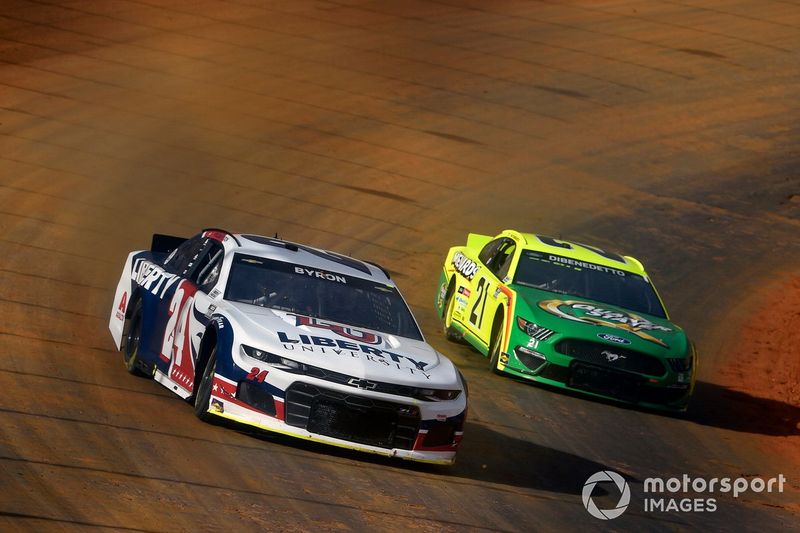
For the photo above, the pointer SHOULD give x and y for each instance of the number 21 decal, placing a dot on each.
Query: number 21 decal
(476, 317)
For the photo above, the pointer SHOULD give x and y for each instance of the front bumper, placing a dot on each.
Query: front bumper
(345, 417)
(621, 387)
(540, 361)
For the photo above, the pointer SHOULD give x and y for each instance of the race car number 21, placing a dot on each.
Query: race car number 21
(476, 315)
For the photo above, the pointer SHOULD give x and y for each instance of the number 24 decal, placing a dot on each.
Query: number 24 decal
(256, 374)
(476, 317)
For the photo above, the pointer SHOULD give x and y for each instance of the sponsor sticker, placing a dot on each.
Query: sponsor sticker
(589, 313)
(152, 277)
(442, 294)
(465, 266)
(216, 406)
(343, 331)
(613, 338)
(123, 303)
(350, 348)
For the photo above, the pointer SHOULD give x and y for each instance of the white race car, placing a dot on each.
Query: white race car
(291, 339)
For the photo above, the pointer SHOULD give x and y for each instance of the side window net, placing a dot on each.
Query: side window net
(503, 259)
(489, 251)
(209, 274)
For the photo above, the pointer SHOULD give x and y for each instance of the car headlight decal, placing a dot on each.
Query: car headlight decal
(436, 395)
(534, 330)
(272, 359)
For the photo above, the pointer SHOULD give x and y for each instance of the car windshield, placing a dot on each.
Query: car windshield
(321, 294)
(559, 274)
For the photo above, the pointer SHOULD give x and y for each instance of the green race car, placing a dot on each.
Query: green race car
(568, 315)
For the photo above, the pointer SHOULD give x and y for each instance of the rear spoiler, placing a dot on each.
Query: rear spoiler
(476, 241)
(385, 272)
(165, 244)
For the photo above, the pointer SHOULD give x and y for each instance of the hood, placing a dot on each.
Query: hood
(350, 350)
(578, 317)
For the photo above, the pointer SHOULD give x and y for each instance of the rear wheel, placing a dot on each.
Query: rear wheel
(130, 352)
(202, 397)
(449, 331)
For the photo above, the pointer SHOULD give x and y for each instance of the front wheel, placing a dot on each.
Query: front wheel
(202, 398)
(494, 349)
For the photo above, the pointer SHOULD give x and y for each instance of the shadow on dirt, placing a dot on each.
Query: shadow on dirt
(485, 455)
(721, 407)
(490, 456)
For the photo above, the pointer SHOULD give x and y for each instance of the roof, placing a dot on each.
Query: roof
(578, 252)
(301, 254)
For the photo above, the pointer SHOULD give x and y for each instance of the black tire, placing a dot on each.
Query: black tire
(133, 336)
(449, 331)
(202, 396)
(494, 347)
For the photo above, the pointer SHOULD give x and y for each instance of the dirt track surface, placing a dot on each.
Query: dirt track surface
(388, 130)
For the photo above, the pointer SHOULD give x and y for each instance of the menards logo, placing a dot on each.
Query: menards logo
(592, 314)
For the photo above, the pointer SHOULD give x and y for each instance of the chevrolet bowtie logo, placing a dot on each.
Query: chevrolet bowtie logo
(362, 383)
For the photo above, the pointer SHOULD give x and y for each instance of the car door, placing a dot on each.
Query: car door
(197, 262)
(496, 258)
